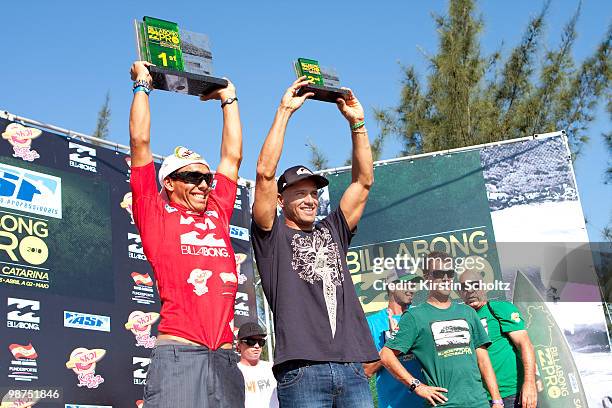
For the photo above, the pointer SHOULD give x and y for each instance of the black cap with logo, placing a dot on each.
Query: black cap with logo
(298, 173)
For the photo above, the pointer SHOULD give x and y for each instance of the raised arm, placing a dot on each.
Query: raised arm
(264, 206)
(140, 118)
(529, 392)
(488, 375)
(355, 197)
(433, 395)
(231, 143)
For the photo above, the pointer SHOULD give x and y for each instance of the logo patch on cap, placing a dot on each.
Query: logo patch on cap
(184, 153)
(303, 170)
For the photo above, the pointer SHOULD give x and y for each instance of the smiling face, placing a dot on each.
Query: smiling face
(299, 203)
(189, 195)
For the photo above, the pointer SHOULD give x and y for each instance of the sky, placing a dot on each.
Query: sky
(61, 58)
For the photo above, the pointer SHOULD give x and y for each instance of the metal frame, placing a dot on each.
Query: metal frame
(70, 134)
(450, 151)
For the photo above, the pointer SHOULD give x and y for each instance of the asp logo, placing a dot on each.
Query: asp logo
(239, 232)
(22, 314)
(141, 366)
(85, 321)
(82, 157)
(30, 191)
(135, 250)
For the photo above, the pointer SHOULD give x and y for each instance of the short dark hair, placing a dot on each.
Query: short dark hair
(434, 255)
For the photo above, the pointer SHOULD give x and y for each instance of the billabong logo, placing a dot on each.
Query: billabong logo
(241, 307)
(303, 170)
(198, 278)
(140, 371)
(22, 314)
(23, 368)
(209, 245)
(126, 204)
(135, 250)
(82, 157)
(30, 191)
(139, 323)
(85, 321)
(20, 137)
(143, 289)
(83, 362)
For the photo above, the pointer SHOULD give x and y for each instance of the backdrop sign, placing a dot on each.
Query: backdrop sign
(499, 209)
(79, 306)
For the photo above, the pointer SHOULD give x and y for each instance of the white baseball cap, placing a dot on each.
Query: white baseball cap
(180, 158)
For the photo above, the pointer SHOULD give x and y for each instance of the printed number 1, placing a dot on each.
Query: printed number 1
(163, 58)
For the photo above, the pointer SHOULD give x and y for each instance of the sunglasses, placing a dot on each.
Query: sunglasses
(192, 177)
(252, 342)
(439, 274)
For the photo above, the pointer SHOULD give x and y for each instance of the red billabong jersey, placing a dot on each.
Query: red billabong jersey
(192, 258)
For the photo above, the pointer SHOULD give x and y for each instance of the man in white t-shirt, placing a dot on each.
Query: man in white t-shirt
(259, 382)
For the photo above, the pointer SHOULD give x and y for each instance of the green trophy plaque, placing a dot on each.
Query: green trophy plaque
(324, 83)
(183, 61)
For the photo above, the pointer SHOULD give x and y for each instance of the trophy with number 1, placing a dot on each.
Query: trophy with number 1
(183, 61)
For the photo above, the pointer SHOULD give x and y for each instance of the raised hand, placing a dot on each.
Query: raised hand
(350, 107)
(221, 94)
(290, 100)
(139, 71)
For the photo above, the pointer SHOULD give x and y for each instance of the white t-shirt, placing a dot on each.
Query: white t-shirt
(260, 385)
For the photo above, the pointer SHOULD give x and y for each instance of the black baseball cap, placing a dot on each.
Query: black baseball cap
(298, 173)
(250, 329)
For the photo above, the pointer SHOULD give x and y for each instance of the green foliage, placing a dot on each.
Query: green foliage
(318, 160)
(470, 98)
(104, 116)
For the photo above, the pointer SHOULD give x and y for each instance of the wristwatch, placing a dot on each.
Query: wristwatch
(414, 384)
(229, 101)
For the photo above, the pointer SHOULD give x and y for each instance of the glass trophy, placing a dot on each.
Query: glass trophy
(325, 83)
(183, 61)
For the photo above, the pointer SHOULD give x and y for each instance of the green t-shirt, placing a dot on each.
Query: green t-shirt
(505, 358)
(444, 341)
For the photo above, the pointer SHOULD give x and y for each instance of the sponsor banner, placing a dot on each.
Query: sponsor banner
(83, 362)
(77, 320)
(20, 138)
(140, 366)
(143, 292)
(30, 191)
(139, 323)
(82, 157)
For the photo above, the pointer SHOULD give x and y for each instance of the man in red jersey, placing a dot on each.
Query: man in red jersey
(185, 236)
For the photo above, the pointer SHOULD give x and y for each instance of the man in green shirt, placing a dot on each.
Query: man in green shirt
(450, 343)
(511, 350)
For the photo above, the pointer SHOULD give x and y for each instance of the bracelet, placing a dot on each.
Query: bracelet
(360, 130)
(141, 88)
(357, 125)
(497, 402)
(143, 83)
(229, 101)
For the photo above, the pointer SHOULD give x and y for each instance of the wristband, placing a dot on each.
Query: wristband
(497, 402)
(357, 125)
(141, 88)
(229, 101)
(142, 83)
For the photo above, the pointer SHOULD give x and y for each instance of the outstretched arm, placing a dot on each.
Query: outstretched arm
(355, 197)
(264, 206)
(140, 118)
(231, 144)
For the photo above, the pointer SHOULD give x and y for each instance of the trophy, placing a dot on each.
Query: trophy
(325, 83)
(183, 61)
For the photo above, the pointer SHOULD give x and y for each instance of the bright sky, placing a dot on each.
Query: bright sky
(60, 58)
